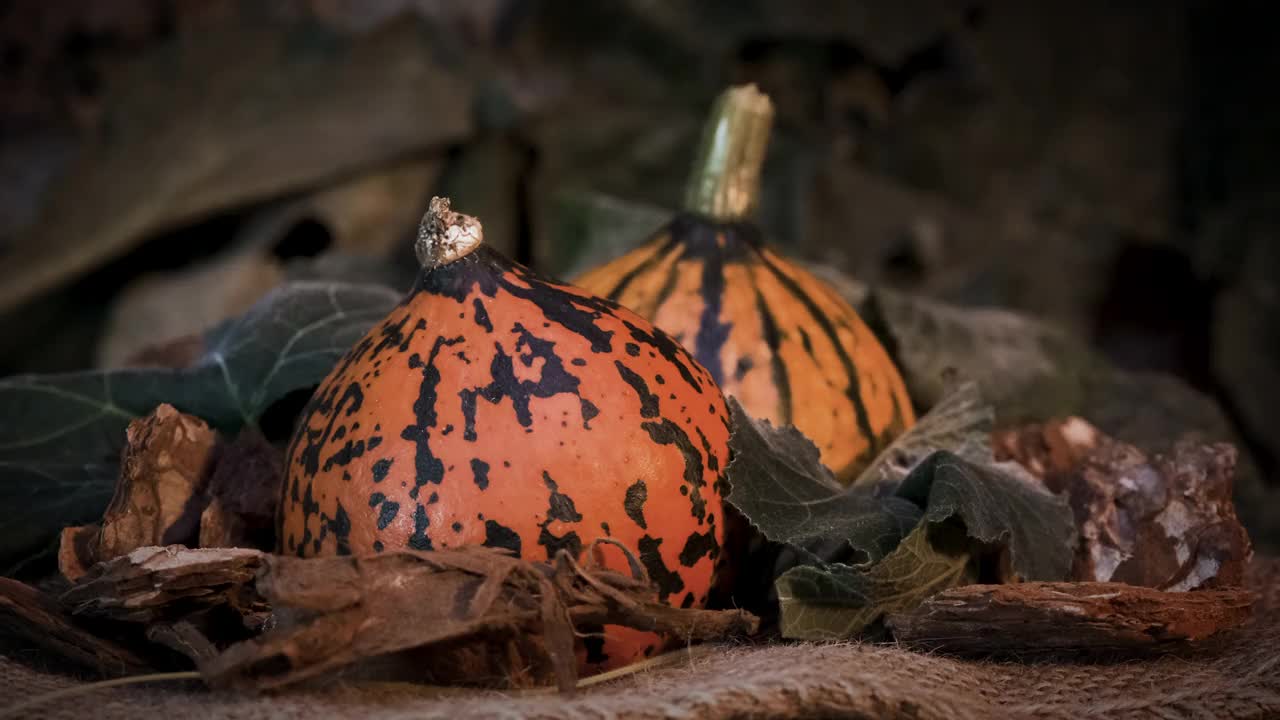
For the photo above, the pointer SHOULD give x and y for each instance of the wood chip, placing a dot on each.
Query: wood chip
(165, 465)
(1031, 618)
(1164, 521)
(167, 584)
(455, 616)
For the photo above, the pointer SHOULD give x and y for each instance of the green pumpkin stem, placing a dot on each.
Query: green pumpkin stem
(725, 182)
(445, 236)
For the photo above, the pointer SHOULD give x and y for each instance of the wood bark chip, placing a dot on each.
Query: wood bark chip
(76, 550)
(462, 616)
(1165, 521)
(169, 584)
(157, 499)
(1029, 618)
(29, 618)
(334, 612)
(242, 493)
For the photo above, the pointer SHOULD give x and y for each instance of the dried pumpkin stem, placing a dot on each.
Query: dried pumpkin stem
(445, 236)
(725, 183)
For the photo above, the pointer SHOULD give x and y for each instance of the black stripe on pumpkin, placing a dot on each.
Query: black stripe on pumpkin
(854, 391)
(773, 339)
(665, 246)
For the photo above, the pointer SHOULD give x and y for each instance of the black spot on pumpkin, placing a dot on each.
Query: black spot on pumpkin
(636, 496)
(419, 540)
(481, 315)
(648, 401)
(380, 469)
(480, 473)
(633, 349)
(667, 581)
(429, 468)
(699, 545)
(497, 535)
(387, 514)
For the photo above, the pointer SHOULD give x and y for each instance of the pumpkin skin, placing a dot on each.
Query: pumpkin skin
(770, 333)
(494, 407)
(780, 340)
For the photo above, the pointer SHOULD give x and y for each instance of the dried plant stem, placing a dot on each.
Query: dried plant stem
(14, 711)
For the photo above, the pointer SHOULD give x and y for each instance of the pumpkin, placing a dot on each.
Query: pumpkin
(781, 341)
(495, 407)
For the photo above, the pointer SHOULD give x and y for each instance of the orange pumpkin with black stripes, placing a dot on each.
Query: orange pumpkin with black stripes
(495, 407)
(771, 334)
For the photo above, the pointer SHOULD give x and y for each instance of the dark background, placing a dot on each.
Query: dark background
(1109, 166)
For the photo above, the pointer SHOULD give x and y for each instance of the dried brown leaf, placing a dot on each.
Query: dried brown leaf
(1028, 618)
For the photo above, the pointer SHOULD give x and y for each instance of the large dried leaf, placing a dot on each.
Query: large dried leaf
(781, 486)
(199, 126)
(59, 464)
(835, 602)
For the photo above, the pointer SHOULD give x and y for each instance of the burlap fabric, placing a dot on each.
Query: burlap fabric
(1238, 677)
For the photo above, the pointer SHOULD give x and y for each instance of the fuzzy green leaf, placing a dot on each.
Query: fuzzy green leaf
(781, 486)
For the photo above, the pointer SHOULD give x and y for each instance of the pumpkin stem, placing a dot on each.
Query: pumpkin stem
(725, 183)
(445, 236)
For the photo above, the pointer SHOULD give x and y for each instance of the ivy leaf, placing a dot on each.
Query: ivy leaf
(1000, 504)
(835, 602)
(59, 458)
(961, 422)
(781, 486)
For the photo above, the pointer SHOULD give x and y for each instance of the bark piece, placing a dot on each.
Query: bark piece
(30, 618)
(1164, 521)
(1068, 617)
(452, 616)
(242, 495)
(1053, 447)
(168, 584)
(76, 549)
(185, 638)
(164, 468)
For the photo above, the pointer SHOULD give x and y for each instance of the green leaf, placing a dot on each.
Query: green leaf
(836, 602)
(961, 423)
(1000, 504)
(59, 460)
(780, 485)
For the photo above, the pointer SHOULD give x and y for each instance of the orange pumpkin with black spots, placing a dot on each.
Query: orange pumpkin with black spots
(495, 407)
(773, 335)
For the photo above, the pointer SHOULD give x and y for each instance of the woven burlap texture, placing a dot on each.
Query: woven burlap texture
(1238, 677)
